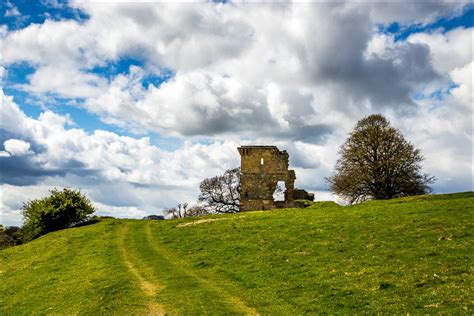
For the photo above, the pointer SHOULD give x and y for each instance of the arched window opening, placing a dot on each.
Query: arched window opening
(261, 161)
(279, 194)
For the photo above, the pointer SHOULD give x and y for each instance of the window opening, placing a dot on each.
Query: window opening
(261, 161)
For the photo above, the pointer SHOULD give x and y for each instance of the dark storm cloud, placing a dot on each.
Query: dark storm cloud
(336, 62)
(257, 122)
(312, 134)
(222, 120)
(28, 170)
(386, 81)
(414, 11)
(24, 170)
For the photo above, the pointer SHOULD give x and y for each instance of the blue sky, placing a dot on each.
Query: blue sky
(401, 32)
(148, 99)
(38, 12)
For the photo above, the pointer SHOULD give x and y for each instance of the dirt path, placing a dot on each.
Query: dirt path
(150, 289)
(236, 303)
(164, 277)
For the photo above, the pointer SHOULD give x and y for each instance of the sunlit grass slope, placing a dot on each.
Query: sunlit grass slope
(404, 255)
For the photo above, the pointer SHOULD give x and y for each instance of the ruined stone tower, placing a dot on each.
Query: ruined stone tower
(262, 167)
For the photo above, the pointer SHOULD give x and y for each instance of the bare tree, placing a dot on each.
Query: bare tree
(178, 212)
(197, 210)
(221, 193)
(173, 212)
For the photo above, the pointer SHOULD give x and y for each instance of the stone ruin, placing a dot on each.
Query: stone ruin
(262, 169)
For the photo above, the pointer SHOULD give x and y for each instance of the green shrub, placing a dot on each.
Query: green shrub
(9, 236)
(62, 209)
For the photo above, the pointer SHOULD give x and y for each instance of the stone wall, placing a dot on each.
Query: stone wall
(300, 194)
(261, 169)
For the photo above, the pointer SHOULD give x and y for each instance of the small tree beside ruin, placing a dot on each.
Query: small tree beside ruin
(178, 212)
(377, 162)
(185, 210)
(220, 194)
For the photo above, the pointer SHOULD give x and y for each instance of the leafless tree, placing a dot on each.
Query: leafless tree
(197, 210)
(220, 194)
(178, 212)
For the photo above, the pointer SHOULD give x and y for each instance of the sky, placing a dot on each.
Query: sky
(136, 103)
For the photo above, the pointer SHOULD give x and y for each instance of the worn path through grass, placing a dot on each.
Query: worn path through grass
(149, 287)
(74, 271)
(162, 275)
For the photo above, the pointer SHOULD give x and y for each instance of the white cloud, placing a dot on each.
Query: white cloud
(404, 12)
(45, 44)
(449, 50)
(66, 81)
(13, 11)
(237, 71)
(462, 93)
(292, 74)
(17, 147)
(123, 174)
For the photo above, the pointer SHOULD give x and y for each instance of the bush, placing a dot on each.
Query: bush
(9, 236)
(154, 217)
(62, 209)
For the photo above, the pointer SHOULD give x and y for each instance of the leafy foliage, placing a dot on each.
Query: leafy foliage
(9, 236)
(221, 193)
(154, 217)
(62, 209)
(378, 163)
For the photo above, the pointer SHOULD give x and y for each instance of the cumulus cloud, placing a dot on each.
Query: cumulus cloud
(292, 74)
(16, 147)
(418, 12)
(66, 81)
(116, 171)
(236, 70)
(11, 10)
(449, 50)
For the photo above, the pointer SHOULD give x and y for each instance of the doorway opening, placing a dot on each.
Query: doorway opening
(279, 193)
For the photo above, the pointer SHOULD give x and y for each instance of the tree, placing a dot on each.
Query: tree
(376, 162)
(154, 217)
(178, 212)
(220, 194)
(184, 210)
(62, 209)
(197, 210)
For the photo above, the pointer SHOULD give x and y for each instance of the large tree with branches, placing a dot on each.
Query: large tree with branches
(376, 162)
(220, 194)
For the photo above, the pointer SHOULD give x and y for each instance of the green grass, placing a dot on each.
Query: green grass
(409, 255)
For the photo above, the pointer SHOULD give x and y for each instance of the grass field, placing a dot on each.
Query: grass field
(410, 255)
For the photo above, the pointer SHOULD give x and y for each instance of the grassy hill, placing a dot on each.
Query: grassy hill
(405, 255)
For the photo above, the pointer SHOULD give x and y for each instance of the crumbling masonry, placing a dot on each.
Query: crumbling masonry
(262, 167)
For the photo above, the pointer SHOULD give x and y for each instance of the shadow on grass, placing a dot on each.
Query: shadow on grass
(93, 220)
